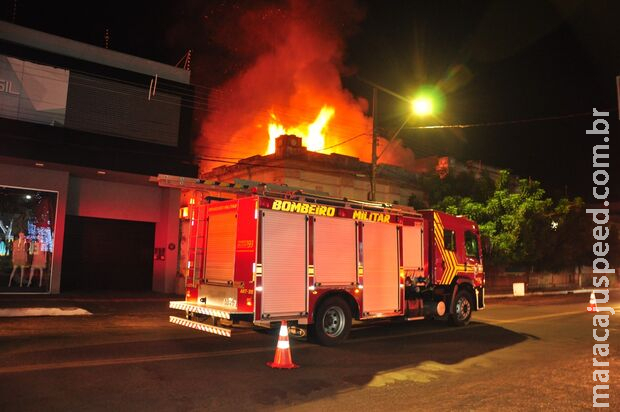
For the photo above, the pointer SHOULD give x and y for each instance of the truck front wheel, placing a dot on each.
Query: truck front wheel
(332, 322)
(463, 306)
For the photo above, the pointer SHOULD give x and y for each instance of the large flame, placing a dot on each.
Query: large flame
(289, 58)
(312, 134)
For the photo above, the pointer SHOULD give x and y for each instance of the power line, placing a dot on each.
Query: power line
(506, 122)
(343, 142)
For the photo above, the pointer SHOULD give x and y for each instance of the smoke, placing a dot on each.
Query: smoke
(289, 63)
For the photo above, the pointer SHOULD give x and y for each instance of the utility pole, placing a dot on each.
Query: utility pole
(373, 165)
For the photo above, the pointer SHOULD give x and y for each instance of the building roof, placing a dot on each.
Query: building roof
(291, 154)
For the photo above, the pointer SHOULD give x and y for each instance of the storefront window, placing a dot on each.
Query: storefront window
(27, 230)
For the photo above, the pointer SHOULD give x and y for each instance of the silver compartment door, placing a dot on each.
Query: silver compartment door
(284, 263)
(413, 248)
(221, 243)
(381, 285)
(335, 261)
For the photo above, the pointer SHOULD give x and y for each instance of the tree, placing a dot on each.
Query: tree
(522, 227)
(462, 184)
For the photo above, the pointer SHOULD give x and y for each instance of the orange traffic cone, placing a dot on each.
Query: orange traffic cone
(282, 358)
(592, 306)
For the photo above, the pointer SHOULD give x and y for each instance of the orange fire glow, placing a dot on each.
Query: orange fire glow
(312, 135)
(290, 83)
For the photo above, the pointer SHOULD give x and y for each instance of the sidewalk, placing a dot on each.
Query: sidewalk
(73, 299)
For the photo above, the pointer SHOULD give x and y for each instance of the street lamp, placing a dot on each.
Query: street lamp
(421, 105)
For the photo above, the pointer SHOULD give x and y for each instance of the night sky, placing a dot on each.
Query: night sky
(501, 62)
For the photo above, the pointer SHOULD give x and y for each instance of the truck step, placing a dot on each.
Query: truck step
(204, 310)
(216, 330)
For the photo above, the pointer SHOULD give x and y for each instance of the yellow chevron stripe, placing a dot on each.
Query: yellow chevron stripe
(449, 257)
(448, 267)
(452, 267)
(450, 270)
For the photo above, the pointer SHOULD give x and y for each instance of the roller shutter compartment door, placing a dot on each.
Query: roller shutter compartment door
(221, 243)
(335, 261)
(413, 248)
(381, 284)
(284, 263)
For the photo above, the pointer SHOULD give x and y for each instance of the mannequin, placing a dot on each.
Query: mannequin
(39, 259)
(20, 257)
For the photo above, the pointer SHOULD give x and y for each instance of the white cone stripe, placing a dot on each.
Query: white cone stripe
(283, 344)
(592, 298)
(283, 331)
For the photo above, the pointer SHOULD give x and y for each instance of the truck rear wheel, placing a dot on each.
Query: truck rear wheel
(463, 306)
(332, 322)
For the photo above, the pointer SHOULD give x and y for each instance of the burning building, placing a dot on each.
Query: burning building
(293, 165)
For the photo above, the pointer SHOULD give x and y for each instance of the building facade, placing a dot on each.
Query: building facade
(81, 130)
(334, 174)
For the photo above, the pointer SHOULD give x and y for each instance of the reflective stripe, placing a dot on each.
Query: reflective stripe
(201, 326)
(182, 305)
(283, 344)
(283, 331)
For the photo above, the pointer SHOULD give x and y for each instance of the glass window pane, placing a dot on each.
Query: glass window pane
(27, 230)
(449, 240)
(471, 244)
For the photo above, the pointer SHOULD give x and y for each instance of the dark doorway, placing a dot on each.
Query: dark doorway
(106, 254)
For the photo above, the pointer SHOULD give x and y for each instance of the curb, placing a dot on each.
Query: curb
(56, 298)
(543, 293)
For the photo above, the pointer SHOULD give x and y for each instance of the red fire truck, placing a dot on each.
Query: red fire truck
(320, 262)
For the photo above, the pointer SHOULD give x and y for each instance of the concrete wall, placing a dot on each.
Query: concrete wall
(111, 200)
(541, 281)
(50, 180)
(167, 237)
(122, 201)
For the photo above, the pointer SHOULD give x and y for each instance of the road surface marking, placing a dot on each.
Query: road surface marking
(537, 317)
(134, 360)
(200, 355)
(203, 355)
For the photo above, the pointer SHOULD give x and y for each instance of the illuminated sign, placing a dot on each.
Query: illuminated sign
(303, 208)
(371, 216)
(7, 86)
(32, 92)
(321, 210)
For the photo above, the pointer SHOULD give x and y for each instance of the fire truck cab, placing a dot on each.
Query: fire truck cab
(321, 263)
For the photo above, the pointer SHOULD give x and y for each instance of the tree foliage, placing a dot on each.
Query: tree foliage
(520, 225)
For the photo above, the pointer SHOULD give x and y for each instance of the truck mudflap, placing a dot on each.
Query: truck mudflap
(479, 298)
(192, 309)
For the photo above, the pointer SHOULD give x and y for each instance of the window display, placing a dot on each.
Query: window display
(27, 222)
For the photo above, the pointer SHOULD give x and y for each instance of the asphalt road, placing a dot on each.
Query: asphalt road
(527, 354)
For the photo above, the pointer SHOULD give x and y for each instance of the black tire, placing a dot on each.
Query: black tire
(332, 322)
(463, 308)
